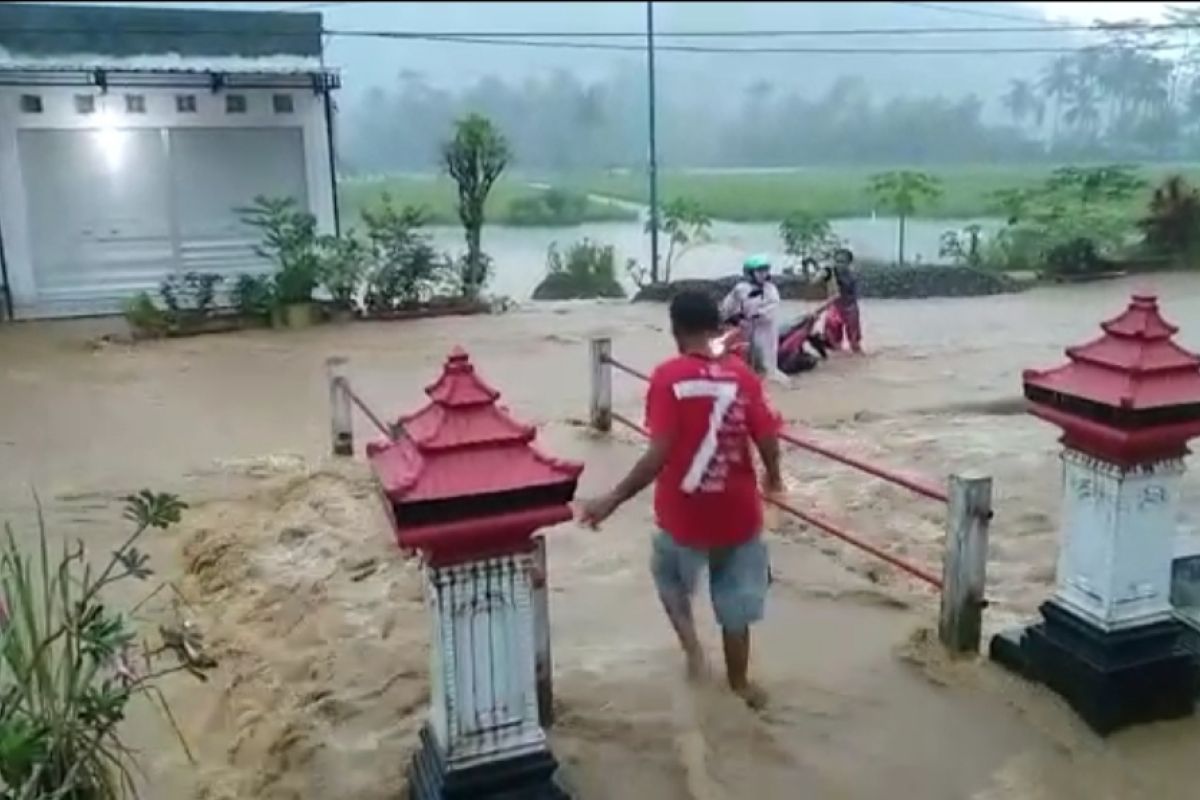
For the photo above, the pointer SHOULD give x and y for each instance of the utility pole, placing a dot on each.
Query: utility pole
(653, 145)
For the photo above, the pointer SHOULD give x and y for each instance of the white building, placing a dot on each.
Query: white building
(129, 136)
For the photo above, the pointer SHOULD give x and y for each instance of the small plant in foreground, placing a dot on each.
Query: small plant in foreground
(70, 664)
(253, 295)
(145, 317)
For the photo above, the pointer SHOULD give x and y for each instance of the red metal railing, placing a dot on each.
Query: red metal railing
(387, 430)
(918, 486)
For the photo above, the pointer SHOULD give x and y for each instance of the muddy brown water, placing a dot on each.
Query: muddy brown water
(316, 619)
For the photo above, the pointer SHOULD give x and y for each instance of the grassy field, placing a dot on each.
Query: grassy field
(439, 197)
(833, 191)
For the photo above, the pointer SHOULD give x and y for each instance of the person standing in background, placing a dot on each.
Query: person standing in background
(846, 320)
(754, 303)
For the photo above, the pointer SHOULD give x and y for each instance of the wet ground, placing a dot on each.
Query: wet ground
(309, 694)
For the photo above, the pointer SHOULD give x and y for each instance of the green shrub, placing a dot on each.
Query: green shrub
(343, 267)
(1171, 227)
(70, 664)
(190, 295)
(289, 240)
(1071, 224)
(253, 295)
(405, 269)
(553, 207)
(807, 235)
(588, 270)
(145, 317)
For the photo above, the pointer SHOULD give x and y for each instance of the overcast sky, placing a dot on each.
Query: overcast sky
(1087, 12)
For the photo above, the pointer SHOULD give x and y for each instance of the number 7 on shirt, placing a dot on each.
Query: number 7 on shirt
(723, 394)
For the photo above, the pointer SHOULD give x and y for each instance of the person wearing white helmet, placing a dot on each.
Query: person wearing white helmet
(754, 303)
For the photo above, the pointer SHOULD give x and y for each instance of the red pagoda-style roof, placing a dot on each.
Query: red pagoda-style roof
(464, 470)
(1133, 387)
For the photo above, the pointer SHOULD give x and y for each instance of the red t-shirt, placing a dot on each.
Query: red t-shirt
(710, 410)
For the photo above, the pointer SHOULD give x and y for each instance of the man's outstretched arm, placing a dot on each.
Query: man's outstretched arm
(768, 450)
(643, 473)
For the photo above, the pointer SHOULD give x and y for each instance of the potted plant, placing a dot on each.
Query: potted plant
(294, 285)
(290, 241)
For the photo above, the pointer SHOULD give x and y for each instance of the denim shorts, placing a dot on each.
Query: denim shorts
(737, 577)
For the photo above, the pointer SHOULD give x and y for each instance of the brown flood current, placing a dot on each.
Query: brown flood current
(286, 563)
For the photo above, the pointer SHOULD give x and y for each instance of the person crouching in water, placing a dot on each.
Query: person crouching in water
(754, 303)
(845, 318)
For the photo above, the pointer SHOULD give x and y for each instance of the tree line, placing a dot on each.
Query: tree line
(1123, 98)
(1135, 95)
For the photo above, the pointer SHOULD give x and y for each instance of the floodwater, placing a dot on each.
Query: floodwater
(285, 561)
(520, 253)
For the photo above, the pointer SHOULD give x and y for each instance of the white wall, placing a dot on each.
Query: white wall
(59, 113)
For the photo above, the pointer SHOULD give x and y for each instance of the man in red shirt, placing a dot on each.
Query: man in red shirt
(704, 411)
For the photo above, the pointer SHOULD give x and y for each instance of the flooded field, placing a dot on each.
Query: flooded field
(316, 619)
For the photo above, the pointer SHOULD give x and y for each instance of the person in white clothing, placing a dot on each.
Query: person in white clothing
(753, 303)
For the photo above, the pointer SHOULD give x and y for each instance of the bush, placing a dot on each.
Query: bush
(70, 664)
(253, 295)
(553, 207)
(587, 271)
(1171, 227)
(1071, 224)
(192, 294)
(145, 317)
(405, 268)
(290, 242)
(808, 236)
(343, 267)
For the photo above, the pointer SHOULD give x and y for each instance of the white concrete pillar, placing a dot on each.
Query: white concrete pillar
(1118, 531)
(484, 692)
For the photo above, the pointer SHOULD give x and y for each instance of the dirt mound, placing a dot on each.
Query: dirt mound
(317, 622)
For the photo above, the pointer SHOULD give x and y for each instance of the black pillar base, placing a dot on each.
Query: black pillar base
(1112, 679)
(528, 777)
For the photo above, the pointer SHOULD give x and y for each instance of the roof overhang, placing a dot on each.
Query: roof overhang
(214, 76)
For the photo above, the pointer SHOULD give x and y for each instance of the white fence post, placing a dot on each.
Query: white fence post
(543, 665)
(601, 412)
(340, 418)
(964, 568)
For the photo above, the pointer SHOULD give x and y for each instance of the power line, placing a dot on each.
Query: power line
(717, 50)
(806, 32)
(974, 12)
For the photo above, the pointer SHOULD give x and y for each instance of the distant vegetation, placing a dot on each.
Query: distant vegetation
(836, 192)
(586, 270)
(512, 202)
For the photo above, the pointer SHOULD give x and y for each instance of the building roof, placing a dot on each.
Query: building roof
(35, 36)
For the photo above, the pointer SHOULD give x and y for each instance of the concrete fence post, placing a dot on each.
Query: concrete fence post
(543, 664)
(340, 419)
(601, 411)
(964, 569)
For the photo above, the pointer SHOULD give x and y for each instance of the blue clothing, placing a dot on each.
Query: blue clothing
(737, 578)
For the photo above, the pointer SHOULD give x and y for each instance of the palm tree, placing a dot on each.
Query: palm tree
(1020, 100)
(1083, 114)
(1057, 83)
